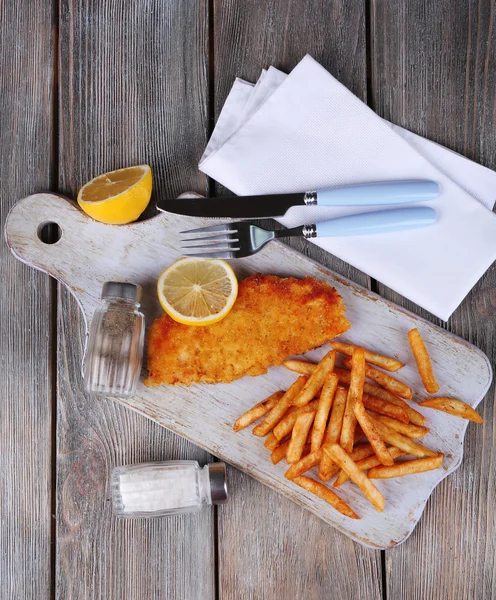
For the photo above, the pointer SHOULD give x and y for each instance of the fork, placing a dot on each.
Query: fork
(242, 238)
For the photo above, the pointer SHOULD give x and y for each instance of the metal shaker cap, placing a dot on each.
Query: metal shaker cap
(218, 482)
(122, 291)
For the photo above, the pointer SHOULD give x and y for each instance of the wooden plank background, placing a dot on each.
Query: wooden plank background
(274, 533)
(144, 82)
(133, 90)
(26, 332)
(433, 71)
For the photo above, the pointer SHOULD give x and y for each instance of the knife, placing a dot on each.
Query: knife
(366, 194)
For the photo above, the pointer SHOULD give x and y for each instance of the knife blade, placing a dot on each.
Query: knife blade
(234, 206)
(276, 205)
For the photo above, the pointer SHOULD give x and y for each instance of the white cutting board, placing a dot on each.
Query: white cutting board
(90, 253)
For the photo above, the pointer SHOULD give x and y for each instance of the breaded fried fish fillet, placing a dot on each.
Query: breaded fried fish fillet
(272, 318)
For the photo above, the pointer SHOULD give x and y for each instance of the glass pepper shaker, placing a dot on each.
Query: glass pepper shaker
(114, 351)
(167, 488)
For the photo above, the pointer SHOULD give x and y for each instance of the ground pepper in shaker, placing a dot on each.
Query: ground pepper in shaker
(114, 352)
(167, 488)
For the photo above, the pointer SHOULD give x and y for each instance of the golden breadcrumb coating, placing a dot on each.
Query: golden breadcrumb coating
(272, 318)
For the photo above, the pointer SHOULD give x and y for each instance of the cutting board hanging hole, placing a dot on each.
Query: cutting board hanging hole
(49, 232)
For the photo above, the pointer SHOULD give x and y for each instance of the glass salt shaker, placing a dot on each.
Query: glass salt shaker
(167, 488)
(114, 351)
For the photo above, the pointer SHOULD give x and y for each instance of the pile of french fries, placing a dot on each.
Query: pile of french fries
(350, 428)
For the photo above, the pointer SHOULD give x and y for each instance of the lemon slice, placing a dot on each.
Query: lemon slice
(117, 197)
(197, 291)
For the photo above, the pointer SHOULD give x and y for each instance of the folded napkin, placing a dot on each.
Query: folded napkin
(306, 131)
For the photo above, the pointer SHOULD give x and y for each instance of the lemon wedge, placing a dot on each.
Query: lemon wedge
(197, 291)
(117, 197)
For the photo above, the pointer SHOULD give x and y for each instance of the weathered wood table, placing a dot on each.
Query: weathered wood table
(87, 87)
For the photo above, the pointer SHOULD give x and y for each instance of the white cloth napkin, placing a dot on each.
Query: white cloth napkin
(306, 131)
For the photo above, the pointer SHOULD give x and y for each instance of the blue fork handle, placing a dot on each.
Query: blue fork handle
(382, 221)
(374, 194)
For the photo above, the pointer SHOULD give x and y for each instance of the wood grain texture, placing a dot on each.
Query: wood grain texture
(271, 549)
(26, 74)
(434, 73)
(132, 90)
(249, 36)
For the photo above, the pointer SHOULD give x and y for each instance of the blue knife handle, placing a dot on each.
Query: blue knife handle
(382, 221)
(388, 192)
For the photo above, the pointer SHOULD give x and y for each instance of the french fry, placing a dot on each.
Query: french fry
(286, 424)
(423, 360)
(367, 463)
(316, 380)
(271, 442)
(362, 451)
(326, 494)
(349, 423)
(282, 405)
(372, 434)
(336, 419)
(299, 436)
(304, 464)
(343, 459)
(280, 452)
(387, 381)
(344, 377)
(413, 415)
(354, 393)
(453, 407)
(419, 465)
(323, 409)
(343, 477)
(400, 441)
(408, 429)
(358, 435)
(259, 410)
(386, 408)
(327, 468)
(385, 362)
(302, 367)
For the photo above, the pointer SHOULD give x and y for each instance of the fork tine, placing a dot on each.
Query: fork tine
(213, 255)
(222, 245)
(221, 227)
(216, 237)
